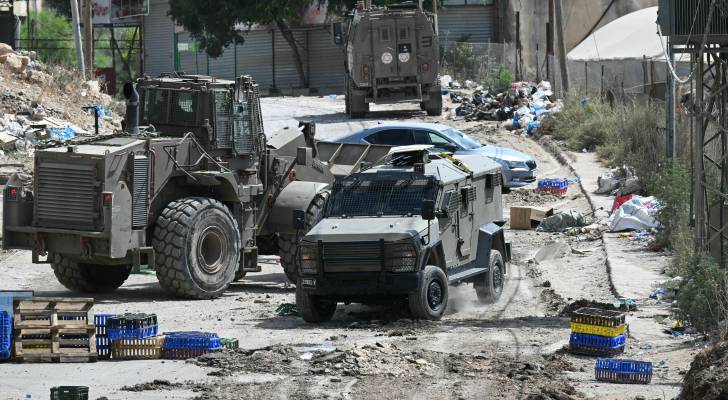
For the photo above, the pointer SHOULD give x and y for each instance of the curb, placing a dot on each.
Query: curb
(561, 157)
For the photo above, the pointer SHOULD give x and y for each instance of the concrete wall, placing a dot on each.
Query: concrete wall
(579, 17)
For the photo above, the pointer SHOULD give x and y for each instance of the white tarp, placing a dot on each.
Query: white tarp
(637, 214)
(629, 37)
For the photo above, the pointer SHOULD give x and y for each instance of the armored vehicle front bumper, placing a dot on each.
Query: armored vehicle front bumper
(361, 286)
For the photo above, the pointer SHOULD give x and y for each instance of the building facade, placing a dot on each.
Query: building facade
(267, 57)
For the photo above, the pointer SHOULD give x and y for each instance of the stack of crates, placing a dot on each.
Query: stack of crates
(554, 186)
(69, 393)
(597, 332)
(6, 335)
(184, 345)
(103, 341)
(230, 344)
(134, 337)
(623, 371)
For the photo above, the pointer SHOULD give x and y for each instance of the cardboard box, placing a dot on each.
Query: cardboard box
(529, 217)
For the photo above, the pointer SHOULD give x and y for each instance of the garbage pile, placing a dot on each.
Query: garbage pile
(523, 107)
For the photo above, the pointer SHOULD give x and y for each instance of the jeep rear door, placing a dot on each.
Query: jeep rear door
(393, 47)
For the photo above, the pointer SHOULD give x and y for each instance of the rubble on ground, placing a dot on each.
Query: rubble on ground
(618, 181)
(707, 378)
(41, 105)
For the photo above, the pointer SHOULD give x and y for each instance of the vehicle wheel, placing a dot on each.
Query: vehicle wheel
(88, 278)
(314, 308)
(489, 286)
(430, 300)
(288, 243)
(197, 246)
(434, 105)
(358, 107)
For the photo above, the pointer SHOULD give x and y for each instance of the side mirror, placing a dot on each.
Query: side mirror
(450, 148)
(428, 210)
(337, 31)
(299, 219)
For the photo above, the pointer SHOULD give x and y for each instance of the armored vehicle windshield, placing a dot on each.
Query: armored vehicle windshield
(380, 194)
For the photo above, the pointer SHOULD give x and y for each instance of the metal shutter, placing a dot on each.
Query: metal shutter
(158, 39)
(479, 23)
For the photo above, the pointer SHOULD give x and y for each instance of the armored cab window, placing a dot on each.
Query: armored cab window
(223, 118)
(183, 109)
(467, 195)
(155, 106)
(384, 34)
(491, 182)
(451, 202)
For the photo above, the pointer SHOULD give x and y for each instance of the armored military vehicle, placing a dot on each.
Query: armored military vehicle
(196, 194)
(406, 228)
(392, 55)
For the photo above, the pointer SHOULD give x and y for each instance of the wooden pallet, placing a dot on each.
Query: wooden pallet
(54, 330)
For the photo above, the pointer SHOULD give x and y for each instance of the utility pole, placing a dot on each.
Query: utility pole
(562, 47)
(437, 22)
(88, 14)
(77, 38)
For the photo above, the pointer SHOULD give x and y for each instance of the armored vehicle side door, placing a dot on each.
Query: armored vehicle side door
(466, 214)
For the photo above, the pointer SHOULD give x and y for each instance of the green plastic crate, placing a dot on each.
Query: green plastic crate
(69, 393)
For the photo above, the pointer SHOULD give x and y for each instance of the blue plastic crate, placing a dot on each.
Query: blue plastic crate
(103, 342)
(131, 326)
(192, 340)
(623, 371)
(142, 333)
(582, 339)
(6, 335)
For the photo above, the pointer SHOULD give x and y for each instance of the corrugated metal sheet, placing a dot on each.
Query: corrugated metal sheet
(479, 24)
(285, 67)
(255, 57)
(158, 39)
(326, 62)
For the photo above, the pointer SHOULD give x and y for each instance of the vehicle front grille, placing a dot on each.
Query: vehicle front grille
(66, 196)
(352, 257)
(531, 164)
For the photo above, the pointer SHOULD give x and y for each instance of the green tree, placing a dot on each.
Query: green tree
(213, 23)
(52, 36)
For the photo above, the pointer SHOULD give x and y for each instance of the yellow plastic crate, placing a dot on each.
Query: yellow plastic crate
(598, 330)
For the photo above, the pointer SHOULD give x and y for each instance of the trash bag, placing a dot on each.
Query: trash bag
(636, 214)
(607, 183)
(562, 221)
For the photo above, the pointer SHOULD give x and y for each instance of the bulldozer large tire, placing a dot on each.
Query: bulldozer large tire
(88, 278)
(287, 243)
(197, 245)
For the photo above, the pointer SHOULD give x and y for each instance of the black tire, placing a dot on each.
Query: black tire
(358, 107)
(489, 285)
(429, 301)
(239, 274)
(434, 105)
(314, 308)
(88, 278)
(288, 243)
(197, 245)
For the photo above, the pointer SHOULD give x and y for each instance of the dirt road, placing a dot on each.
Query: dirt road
(510, 350)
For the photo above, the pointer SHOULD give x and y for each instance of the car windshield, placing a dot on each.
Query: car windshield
(461, 139)
(364, 195)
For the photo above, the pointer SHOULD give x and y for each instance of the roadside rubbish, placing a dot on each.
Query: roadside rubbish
(67, 393)
(287, 309)
(529, 217)
(562, 221)
(623, 371)
(638, 213)
(557, 186)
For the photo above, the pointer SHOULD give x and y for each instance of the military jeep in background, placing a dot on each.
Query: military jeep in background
(392, 55)
(406, 228)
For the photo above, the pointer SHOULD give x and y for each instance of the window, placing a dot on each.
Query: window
(384, 34)
(155, 106)
(391, 137)
(403, 33)
(427, 137)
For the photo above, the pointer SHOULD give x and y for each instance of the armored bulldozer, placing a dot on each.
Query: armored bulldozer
(406, 229)
(193, 188)
(392, 55)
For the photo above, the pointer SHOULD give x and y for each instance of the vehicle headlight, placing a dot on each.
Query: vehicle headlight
(308, 260)
(517, 164)
(400, 257)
